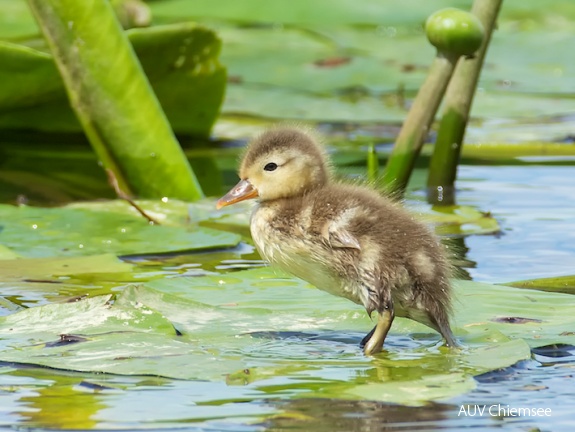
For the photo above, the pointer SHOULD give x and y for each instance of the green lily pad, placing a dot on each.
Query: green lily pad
(483, 312)
(7, 307)
(562, 284)
(339, 62)
(50, 268)
(167, 212)
(7, 254)
(461, 221)
(42, 232)
(172, 212)
(247, 328)
(301, 12)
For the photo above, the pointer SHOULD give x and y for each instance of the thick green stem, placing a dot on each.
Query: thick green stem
(113, 99)
(458, 100)
(416, 126)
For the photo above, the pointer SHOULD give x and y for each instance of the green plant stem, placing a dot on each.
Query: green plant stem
(458, 100)
(372, 164)
(416, 126)
(113, 100)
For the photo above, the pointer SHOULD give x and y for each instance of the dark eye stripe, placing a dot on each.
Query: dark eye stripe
(271, 166)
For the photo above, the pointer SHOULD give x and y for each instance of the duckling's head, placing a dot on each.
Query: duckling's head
(280, 163)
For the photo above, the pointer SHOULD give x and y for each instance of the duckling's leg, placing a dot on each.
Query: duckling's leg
(442, 326)
(378, 334)
(367, 337)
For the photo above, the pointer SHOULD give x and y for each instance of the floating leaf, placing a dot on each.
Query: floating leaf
(7, 307)
(476, 306)
(7, 254)
(461, 221)
(50, 268)
(40, 232)
(246, 328)
(386, 59)
(166, 212)
(373, 13)
(562, 284)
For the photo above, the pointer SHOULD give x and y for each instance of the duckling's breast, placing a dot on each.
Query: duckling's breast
(289, 243)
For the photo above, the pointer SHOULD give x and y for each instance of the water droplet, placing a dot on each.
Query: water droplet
(165, 199)
(81, 246)
(180, 61)
(34, 226)
(386, 31)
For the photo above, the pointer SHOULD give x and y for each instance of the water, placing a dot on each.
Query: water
(535, 206)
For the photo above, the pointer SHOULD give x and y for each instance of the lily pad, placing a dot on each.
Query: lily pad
(331, 13)
(478, 307)
(177, 213)
(339, 62)
(461, 221)
(562, 284)
(245, 328)
(42, 232)
(167, 212)
(7, 254)
(50, 268)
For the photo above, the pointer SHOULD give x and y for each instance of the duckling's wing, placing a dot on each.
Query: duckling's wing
(338, 237)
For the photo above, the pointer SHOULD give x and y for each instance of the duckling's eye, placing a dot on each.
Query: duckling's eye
(270, 167)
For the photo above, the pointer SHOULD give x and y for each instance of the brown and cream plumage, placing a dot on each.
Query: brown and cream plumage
(346, 240)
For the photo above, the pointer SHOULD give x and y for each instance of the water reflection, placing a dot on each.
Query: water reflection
(340, 415)
(54, 400)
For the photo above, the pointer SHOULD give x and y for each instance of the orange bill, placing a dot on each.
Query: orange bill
(240, 192)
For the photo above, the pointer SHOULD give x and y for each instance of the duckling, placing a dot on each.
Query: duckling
(347, 240)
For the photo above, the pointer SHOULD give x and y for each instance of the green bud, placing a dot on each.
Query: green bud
(454, 32)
